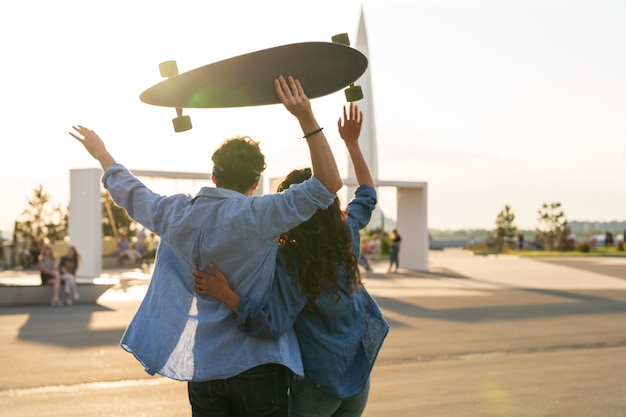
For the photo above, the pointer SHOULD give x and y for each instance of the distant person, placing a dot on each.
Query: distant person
(608, 239)
(394, 257)
(152, 244)
(36, 246)
(520, 241)
(592, 240)
(23, 256)
(49, 273)
(142, 242)
(375, 246)
(366, 250)
(364, 262)
(318, 290)
(183, 336)
(126, 251)
(68, 265)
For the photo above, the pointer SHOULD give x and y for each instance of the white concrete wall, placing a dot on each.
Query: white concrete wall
(85, 220)
(411, 221)
(412, 225)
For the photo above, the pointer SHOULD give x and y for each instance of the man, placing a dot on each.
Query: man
(190, 338)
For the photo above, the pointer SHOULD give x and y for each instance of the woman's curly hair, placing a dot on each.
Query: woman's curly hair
(321, 247)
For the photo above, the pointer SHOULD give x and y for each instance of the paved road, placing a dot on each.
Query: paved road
(475, 336)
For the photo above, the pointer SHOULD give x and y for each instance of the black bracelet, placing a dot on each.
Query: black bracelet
(315, 132)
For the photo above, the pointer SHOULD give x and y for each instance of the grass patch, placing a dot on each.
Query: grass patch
(601, 251)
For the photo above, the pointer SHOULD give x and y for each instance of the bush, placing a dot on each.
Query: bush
(385, 246)
(584, 247)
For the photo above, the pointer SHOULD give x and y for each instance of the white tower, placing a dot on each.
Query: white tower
(367, 139)
(368, 133)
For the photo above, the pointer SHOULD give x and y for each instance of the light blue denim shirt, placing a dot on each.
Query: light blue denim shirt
(339, 340)
(177, 333)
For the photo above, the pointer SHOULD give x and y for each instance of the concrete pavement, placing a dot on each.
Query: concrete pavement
(474, 336)
(503, 336)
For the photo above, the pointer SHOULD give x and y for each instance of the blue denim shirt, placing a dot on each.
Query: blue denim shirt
(177, 333)
(339, 340)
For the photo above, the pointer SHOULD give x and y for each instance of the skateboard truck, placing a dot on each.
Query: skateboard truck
(353, 92)
(169, 69)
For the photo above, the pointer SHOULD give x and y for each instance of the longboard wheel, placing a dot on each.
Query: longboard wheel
(181, 123)
(353, 93)
(341, 38)
(168, 69)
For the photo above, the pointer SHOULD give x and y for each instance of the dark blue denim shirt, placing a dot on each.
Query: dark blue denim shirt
(340, 340)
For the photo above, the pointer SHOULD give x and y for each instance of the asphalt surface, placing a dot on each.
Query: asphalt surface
(475, 336)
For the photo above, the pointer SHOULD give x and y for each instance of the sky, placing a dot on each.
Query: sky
(491, 102)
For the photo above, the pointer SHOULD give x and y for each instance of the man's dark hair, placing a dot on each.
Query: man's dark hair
(238, 164)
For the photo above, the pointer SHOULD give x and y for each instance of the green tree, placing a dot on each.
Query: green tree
(505, 228)
(114, 218)
(552, 228)
(41, 218)
(563, 242)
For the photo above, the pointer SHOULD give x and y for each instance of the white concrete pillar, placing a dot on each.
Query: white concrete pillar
(85, 220)
(412, 225)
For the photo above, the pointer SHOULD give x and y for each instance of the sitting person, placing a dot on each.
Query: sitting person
(67, 269)
(151, 248)
(142, 243)
(125, 251)
(36, 246)
(23, 256)
(153, 244)
(48, 273)
(375, 246)
(363, 260)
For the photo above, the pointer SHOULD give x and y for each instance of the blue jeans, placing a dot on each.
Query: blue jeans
(394, 257)
(306, 400)
(260, 391)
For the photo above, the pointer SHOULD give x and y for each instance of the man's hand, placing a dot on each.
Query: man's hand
(94, 145)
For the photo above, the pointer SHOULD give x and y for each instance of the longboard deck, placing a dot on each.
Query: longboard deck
(247, 80)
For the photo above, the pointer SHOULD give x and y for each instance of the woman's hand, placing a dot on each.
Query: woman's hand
(214, 285)
(350, 126)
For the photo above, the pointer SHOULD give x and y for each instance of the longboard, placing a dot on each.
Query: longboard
(248, 80)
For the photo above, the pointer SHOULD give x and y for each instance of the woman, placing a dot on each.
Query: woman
(48, 273)
(394, 259)
(67, 268)
(318, 290)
